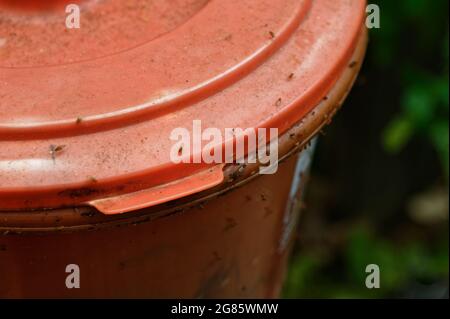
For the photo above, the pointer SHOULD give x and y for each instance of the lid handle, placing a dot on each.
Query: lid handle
(160, 194)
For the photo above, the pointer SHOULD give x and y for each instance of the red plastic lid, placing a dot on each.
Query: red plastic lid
(86, 114)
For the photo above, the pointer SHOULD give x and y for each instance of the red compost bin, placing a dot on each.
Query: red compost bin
(86, 118)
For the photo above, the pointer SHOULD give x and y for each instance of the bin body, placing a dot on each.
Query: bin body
(92, 187)
(229, 247)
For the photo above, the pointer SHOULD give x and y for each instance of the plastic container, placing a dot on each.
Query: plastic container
(86, 117)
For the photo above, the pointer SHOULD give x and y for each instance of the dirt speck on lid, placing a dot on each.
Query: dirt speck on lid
(56, 149)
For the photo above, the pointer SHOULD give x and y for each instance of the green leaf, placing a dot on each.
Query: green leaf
(419, 105)
(397, 134)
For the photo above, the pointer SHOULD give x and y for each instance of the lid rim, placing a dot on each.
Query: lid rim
(73, 194)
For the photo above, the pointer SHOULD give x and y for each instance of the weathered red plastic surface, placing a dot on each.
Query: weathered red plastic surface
(112, 91)
(37, 5)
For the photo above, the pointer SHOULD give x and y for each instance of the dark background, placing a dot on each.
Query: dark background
(379, 187)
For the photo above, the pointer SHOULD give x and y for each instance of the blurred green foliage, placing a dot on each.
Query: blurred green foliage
(414, 40)
(310, 277)
(411, 51)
